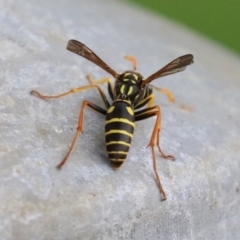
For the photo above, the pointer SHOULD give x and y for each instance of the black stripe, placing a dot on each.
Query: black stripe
(117, 156)
(118, 137)
(119, 126)
(119, 111)
(117, 147)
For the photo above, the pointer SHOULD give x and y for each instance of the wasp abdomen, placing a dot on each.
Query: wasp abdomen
(119, 128)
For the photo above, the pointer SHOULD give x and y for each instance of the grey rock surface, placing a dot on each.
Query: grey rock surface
(87, 199)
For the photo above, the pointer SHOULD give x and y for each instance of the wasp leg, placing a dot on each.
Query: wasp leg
(102, 81)
(80, 127)
(74, 90)
(148, 99)
(133, 60)
(147, 113)
(166, 92)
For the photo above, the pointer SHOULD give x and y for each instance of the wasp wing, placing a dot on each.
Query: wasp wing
(82, 50)
(177, 65)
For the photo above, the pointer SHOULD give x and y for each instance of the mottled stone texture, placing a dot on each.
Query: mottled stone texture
(87, 199)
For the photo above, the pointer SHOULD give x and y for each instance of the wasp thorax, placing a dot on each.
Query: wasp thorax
(128, 85)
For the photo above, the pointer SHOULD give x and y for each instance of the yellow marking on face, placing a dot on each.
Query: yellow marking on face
(122, 88)
(110, 109)
(134, 82)
(118, 152)
(124, 120)
(119, 131)
(135, 76)
(130, 90)
(118, 142)
(125, 79)
(126, 74)
(130, 111)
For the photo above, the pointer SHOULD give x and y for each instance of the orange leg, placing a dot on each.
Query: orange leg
(74, 90)
(80, 119)
(80, 127)
(166, 92)
(146, 113)
(156, 135)
(102, 81)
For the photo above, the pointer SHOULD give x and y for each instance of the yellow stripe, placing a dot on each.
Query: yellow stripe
(134, 82)
(125, 79)
(110, 109)
(130, 90)
(130, 111)
(118, 152)
(118, 142)
(126, 74)
(122, 88)
(117, 160)
(124, 120)
(135, 76)
(119, 131)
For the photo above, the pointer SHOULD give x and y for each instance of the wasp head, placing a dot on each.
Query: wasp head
(128, 86)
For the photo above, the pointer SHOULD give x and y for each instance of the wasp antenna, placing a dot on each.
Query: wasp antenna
(133, 60)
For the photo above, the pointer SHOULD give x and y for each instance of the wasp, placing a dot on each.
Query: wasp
(132, 100)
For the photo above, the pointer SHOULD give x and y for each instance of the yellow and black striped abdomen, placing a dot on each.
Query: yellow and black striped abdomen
(119, 128)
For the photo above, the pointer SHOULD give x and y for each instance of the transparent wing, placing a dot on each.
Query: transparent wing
(82, 50)
(177, 65)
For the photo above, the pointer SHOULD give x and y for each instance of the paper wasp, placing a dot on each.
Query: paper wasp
(129, 93)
